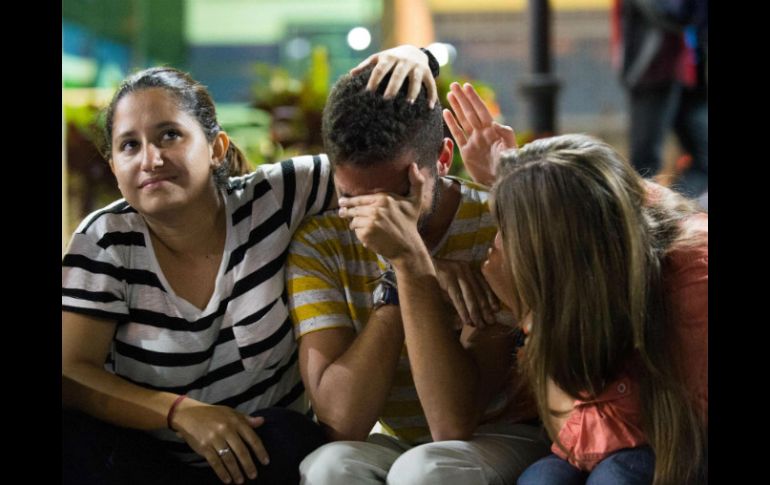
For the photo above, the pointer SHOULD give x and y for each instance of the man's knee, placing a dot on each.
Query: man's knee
(441, 463)
(334, 463)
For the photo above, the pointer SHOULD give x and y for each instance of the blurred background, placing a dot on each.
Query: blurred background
(269, 65)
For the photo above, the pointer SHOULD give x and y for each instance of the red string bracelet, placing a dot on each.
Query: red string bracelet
(172, 409)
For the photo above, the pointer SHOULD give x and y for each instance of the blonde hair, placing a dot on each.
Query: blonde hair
(586, 244)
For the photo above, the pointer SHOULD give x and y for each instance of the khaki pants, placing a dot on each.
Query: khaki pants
(496, 454)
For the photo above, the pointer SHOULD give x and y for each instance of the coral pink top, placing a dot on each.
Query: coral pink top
(612, 421)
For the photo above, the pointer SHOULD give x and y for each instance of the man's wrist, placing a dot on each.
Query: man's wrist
(386, 292)
(412, 260)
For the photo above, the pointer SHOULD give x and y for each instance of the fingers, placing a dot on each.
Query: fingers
(415, 75)
(454, 129)
(469, 119)
(239, 454)
(359, 200)
(364, 64)
(463, 284)
(406, 64)
(416, 181)
(414, 85)
(233, 458)
(470, 298)
(396, 80)
(381, 199)
(218, 464)
(252, 440)
(382, 68)
(487, 298)
(456, 297)
(357, 211)
(479, 108)
(454, 101)
(430, 84)
(230, 455)
(491, 298)
(475, 299)
(507, 134)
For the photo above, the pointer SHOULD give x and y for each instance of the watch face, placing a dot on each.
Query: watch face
(378, 294)
(384, 294)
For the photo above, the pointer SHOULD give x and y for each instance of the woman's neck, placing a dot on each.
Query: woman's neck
(199, 230)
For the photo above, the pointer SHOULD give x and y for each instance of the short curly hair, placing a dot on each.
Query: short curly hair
(360, 127)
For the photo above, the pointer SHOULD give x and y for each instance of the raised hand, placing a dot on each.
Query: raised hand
(406, 61)
(223, 436)
(479, 138)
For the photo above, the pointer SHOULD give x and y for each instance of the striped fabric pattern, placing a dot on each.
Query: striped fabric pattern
(331, 276)
(239, 351)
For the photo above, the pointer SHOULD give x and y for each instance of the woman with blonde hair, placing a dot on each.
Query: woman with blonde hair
(608, 273)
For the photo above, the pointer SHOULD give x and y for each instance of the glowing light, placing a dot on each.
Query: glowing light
(359, 38)
(445, 53)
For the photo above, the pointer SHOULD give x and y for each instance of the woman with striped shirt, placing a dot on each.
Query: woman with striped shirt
(173, 305)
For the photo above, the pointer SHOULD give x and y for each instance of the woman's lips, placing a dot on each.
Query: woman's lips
(154, 182)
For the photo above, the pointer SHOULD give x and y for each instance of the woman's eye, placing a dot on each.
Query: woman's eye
(127, 145)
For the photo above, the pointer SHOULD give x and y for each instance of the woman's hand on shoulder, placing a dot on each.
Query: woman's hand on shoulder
(406, 62)
(223, 436)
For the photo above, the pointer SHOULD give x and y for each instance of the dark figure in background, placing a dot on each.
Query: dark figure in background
(663, 65)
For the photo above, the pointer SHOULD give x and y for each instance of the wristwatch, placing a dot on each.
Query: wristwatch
(386, 292)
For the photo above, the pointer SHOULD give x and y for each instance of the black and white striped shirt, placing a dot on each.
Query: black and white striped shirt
(239, 351)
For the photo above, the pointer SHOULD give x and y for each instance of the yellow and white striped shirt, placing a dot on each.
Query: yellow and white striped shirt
(330, 278)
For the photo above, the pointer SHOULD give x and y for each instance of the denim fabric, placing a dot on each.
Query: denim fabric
(631, 466)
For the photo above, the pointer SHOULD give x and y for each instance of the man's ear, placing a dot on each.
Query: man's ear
(445, 156)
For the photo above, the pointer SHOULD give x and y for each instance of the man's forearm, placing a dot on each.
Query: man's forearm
(352, 390)
(445, 374)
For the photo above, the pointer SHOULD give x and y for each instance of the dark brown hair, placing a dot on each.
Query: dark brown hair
(193, 98)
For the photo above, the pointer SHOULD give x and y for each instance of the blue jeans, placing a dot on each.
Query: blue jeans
(631, 466)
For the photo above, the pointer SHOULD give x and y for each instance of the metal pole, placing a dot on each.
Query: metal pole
(540, 86)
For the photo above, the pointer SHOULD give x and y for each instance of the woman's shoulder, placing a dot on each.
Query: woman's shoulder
(687, 260)
(297, 164)
(108, 234)
(117, 216)
(693, 242)
(278, 173)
